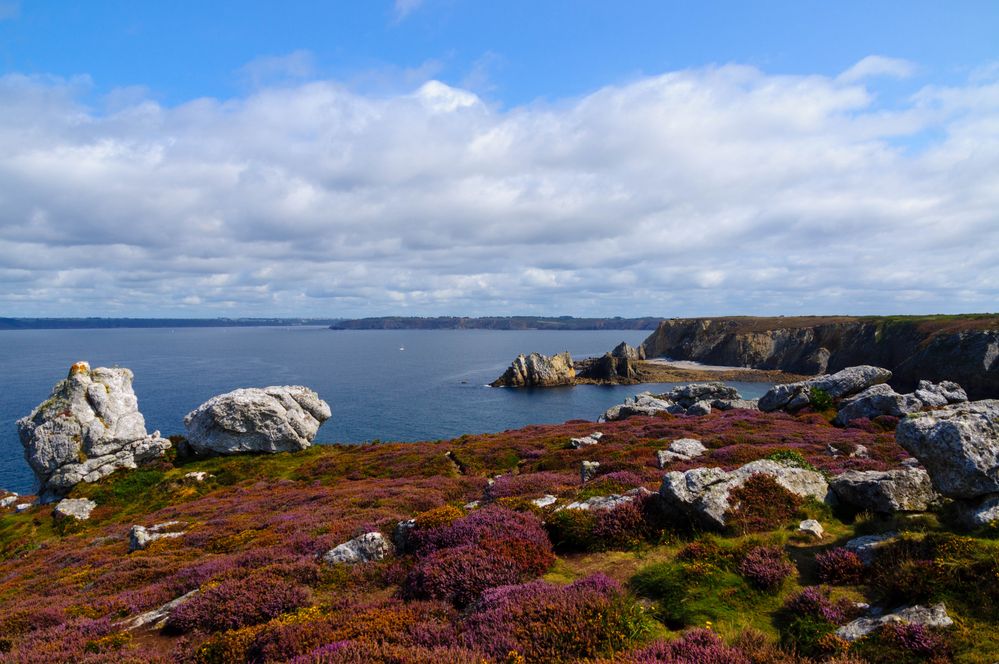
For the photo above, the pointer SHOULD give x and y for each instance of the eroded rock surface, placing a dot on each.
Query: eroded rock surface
(89, 427)
(268, 419)
(702, 494)
(363, 548)
(74, 508)
(536, 370)
(849, 381)
(908, 490)
(934, 616)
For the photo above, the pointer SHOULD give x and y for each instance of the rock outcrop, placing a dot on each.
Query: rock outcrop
(592, 439)
(74, 508)
(963, 349)
(682, 449)
(140, 537)
(866, 547)
(702, 494)
(842, 384)
(883, 400)
(89, 427)
(268, 419)
(692, 399)
(362, 549)
(536, 370)
(958, 445)
(934, 616)
(906, 490)
(629, 352)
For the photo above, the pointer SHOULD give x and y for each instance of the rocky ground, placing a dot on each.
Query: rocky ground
(727, 536)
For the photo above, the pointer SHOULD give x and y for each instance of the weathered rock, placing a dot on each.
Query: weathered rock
(89, 427)
(733, 404)
(682, 449)
(362, 549)
(588, 470)
(140, 537)
(592, 439)
(544, 501)
(403, 529)
(22, 507)
(908, 490)
(269, 419)
(8, 500)
(156, 618)
(977, 513)
(74, 508)
(609, 502)
(536, 370)
(866, 547)
(628, 352)
(849, 381)
(197, 476)
(934, 616)
(702, 494)
(958, 445)
(875, 401)
(699, 408)
(812, 527)
(940, 394)
(688, 395)
(644, 403)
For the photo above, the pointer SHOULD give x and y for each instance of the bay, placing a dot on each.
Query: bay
(401, 385)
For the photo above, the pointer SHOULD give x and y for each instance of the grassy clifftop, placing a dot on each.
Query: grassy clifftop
(625, 585)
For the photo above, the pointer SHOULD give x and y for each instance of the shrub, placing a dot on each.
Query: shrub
(761, 504)
(840, 566)
(599, 530)
(572, 530)
(902, 643)
(444, 515)
(697, 646)
(792, 458)
(820, 399)
(486, 523)
(364, 652)
(236, 603)
(809, 619)
(766, 567)
(543, 622)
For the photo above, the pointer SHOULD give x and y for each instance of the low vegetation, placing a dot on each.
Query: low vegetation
(486, 574)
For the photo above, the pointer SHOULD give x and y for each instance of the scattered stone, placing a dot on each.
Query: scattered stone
(958, 445)
(609, 502)
(644, 403)
(692, 399)
(472, 505)
(860, 452)
(812, 527)
(688, 395)
(866, 547)
(683, 449)
(140, 537)
(934, 616)
(536, 370)
(198, 476)
(908, 490)
(588, 470)
(910, 462)
(156, 618)
(849, 381)
(702, 494)
(89, 427)
(7, 501)
(269, 419)
(74, 508)
(544, 501)
(362, 549)
(943, 393)
(592, 439)
(22, 507)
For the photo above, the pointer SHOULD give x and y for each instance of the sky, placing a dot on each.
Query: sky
(459, 157)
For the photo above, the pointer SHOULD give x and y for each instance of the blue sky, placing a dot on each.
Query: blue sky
(456, 157)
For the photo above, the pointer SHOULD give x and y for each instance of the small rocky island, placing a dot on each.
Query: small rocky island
(833, 520)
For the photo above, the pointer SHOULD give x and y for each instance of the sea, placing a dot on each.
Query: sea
(389, 385)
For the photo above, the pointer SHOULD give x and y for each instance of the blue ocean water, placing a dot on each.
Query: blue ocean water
(435, 388)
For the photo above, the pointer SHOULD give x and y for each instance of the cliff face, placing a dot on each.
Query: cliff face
(962, 349)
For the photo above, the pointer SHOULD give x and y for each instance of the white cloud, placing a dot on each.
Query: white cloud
(878, 65)
(708, 191)
(403, 8)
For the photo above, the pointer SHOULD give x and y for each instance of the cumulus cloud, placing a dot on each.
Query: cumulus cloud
(878, 65)
(705, 191)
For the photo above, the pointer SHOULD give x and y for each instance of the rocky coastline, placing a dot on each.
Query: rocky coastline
(823, 522)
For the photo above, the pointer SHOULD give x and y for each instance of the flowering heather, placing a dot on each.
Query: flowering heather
(543, 622)
(761, 504)
(350, 652)
(896, 641)
(814, 602)
(840, 567)
(487, 523)
(237, 603)
(697, 646)
(765, 567)
(532, 485)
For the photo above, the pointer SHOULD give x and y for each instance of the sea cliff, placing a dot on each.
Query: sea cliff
(960, 348)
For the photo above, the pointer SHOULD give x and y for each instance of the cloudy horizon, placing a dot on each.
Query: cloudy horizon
(716, 189)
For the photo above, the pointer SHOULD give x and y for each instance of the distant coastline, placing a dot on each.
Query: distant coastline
(497, 323)
(123, 323)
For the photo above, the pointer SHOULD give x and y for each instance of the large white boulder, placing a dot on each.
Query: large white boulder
(268, 419)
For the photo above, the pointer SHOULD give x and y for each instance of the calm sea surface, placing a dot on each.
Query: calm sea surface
(435, 388)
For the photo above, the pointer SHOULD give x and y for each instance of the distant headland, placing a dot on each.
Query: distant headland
(497, 323)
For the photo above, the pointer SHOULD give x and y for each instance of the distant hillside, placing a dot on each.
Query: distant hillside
(497, 323)
(106, 323)
(962, 348)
